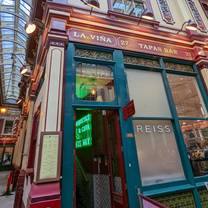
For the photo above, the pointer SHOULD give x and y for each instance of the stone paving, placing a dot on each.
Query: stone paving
(3, 181)
(5, 201)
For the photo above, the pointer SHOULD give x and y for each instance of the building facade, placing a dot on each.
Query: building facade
(85, 143)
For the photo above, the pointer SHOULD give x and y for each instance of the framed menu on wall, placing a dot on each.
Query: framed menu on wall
(49, 158)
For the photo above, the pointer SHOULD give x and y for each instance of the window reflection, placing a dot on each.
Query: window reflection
(94, 82)
(157, 152)
(196, 139)
(187, 97)
(7, 157)
(130, 7)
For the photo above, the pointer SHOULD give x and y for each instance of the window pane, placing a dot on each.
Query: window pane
(94, 82)
(187, 97)
(8, 127)
(7, 157)
(147, 90)
(157, 152)
(131, 7)
(196, 139)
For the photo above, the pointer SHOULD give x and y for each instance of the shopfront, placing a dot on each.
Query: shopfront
(162, 151)
(6, 156)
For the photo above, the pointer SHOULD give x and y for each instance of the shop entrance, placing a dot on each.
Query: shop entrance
(99, 171)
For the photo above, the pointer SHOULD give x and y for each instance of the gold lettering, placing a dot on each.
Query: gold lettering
(76, 34)
(83, 36)
(92, 37)
(109, 40)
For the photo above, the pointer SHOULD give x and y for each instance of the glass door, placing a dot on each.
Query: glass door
(99, 172)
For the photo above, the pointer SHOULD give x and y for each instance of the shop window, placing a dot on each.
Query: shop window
(157, 152)
(196, 139)
(148, 92)
(129, 7)
(8, 127)
(94, 82)
(7, 157)
(187, 97)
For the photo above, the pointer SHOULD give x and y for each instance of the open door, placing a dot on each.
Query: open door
(99, 170)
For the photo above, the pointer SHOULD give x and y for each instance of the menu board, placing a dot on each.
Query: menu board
(49, 157)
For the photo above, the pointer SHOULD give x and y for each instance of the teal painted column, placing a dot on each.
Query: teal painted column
(129, 150)
(67, 184)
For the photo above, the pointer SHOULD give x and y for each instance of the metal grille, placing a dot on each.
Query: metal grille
(141, 61)
(204, 198)
(178, 67)
(177, 200)
(101, 188)
(100, 55)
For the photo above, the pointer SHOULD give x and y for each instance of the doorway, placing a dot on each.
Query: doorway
(99, 169)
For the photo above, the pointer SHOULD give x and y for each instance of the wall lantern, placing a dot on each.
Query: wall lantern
(3, 110)
(190, 25)
(147, 14)
(30, 27)
(92, 3)
(25, 70)
(19, 100)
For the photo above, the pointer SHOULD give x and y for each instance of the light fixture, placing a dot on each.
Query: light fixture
(93, 91)
(30, 27)
(190, 25)
(3, 110)
(25, 70)
(92, 3)
(147, 14)
(19, 100)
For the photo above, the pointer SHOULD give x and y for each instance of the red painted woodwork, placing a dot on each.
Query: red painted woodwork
(1, 125)
(45, 195)
(128, 110)
(118, 200)
(150, 203)
(31, 158)
(46, 204)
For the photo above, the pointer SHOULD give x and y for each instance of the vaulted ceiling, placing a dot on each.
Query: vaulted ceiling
(14, 14)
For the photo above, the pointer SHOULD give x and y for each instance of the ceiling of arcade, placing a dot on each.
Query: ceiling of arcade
(14, 15)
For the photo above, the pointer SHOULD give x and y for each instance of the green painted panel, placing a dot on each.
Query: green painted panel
(204, 197)
(177, 200)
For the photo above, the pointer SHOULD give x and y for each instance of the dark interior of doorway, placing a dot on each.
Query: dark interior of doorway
(98, 166)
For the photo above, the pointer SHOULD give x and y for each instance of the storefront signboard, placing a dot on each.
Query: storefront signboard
(129, 43)
(49, 157)
(128, 110)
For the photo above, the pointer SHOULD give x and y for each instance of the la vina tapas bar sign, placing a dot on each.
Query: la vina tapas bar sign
(129, 43)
